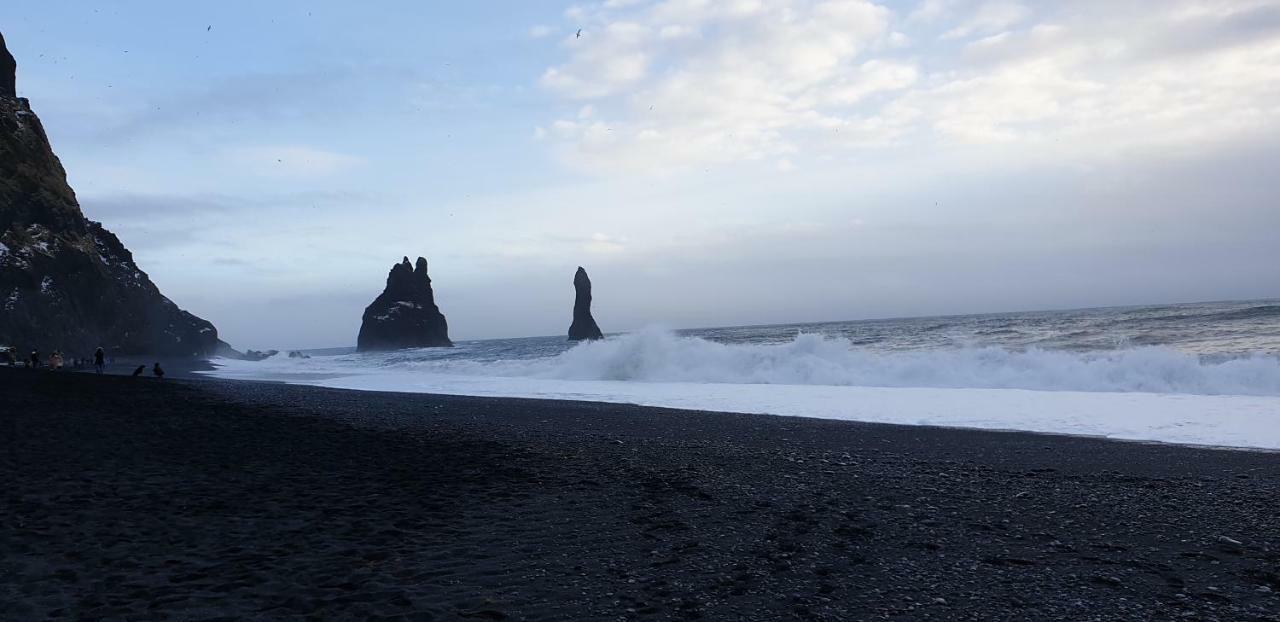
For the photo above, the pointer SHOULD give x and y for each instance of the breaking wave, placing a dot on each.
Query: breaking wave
(810, 359)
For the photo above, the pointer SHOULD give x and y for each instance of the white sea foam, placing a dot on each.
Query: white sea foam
(1147, 394)
(659, 356)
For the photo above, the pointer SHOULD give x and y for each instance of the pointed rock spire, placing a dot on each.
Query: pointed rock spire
(420, 277)
(8, 71)
(584, 326)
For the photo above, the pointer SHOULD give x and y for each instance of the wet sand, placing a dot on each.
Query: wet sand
(174, 368)
(193, 499)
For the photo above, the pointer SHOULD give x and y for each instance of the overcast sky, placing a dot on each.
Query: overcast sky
(709, 162)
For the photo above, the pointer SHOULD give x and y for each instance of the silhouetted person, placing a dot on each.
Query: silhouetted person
(35, 359)
(159, 373)
(99, 360)
(138, 372)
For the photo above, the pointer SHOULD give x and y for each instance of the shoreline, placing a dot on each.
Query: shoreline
(1229, 421)
(193, 370)
(551, 401)
(251, 499)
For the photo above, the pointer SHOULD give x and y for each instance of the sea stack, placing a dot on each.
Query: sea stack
(66, 283)
(584, 326)
(405, 315)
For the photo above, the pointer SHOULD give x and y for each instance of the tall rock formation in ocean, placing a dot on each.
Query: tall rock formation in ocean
(584, 326)
(66, 283)
(405, 314)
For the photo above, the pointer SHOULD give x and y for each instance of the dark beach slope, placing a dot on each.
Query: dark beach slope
(142, 499)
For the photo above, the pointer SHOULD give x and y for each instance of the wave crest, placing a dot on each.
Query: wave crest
(811, 359)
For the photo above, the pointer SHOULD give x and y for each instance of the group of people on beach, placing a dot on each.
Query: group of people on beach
(56, 362)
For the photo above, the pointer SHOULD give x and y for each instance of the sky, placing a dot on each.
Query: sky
(710, 163)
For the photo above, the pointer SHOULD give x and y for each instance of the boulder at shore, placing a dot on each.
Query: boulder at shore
(405, 315)
(66, 283)
(584, 326)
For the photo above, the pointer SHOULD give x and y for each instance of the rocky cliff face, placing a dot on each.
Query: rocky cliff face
(66, 283)
(584, 326)
(405, 315)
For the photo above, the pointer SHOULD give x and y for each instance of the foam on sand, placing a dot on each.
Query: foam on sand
(1140, 394)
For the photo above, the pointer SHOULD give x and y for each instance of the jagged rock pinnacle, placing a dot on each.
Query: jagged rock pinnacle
(405, 315)
(8, 71)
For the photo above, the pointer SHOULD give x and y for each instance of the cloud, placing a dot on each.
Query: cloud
(247, 102)
(152, 206)
(184, 206)
(274, 98)
(1092, 88)
(683, 82)
(681, 85)
(929, 10)
(990, 17)
(148, 222)
(601, 243)
(604, 61)
(291, 161)
(234, 262)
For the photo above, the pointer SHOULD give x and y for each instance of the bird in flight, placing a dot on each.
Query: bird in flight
(209, 28)
(579, 35)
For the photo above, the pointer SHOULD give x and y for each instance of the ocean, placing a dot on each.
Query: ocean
(1204, 373)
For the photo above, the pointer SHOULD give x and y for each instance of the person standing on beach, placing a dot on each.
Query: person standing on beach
(99, 360)
(55, 360)
(35, 359)
(159, 373)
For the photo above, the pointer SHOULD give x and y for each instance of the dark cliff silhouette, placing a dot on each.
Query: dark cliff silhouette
(8, 71)
(66, 283)
(405, 314)
(584, 326)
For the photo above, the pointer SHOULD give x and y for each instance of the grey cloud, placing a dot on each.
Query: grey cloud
(259, 98)
(1160, 40)
(131, 206)
(128, 206)
(150, 223)
(1189, 38)
(230, 261)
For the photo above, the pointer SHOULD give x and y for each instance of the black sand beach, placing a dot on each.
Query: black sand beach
(141, 499)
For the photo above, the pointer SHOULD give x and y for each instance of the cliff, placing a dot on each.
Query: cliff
(67, 283)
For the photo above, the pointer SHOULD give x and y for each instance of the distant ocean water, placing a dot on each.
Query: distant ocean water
(1009, 370)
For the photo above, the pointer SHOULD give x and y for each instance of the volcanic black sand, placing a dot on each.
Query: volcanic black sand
(143, 499)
